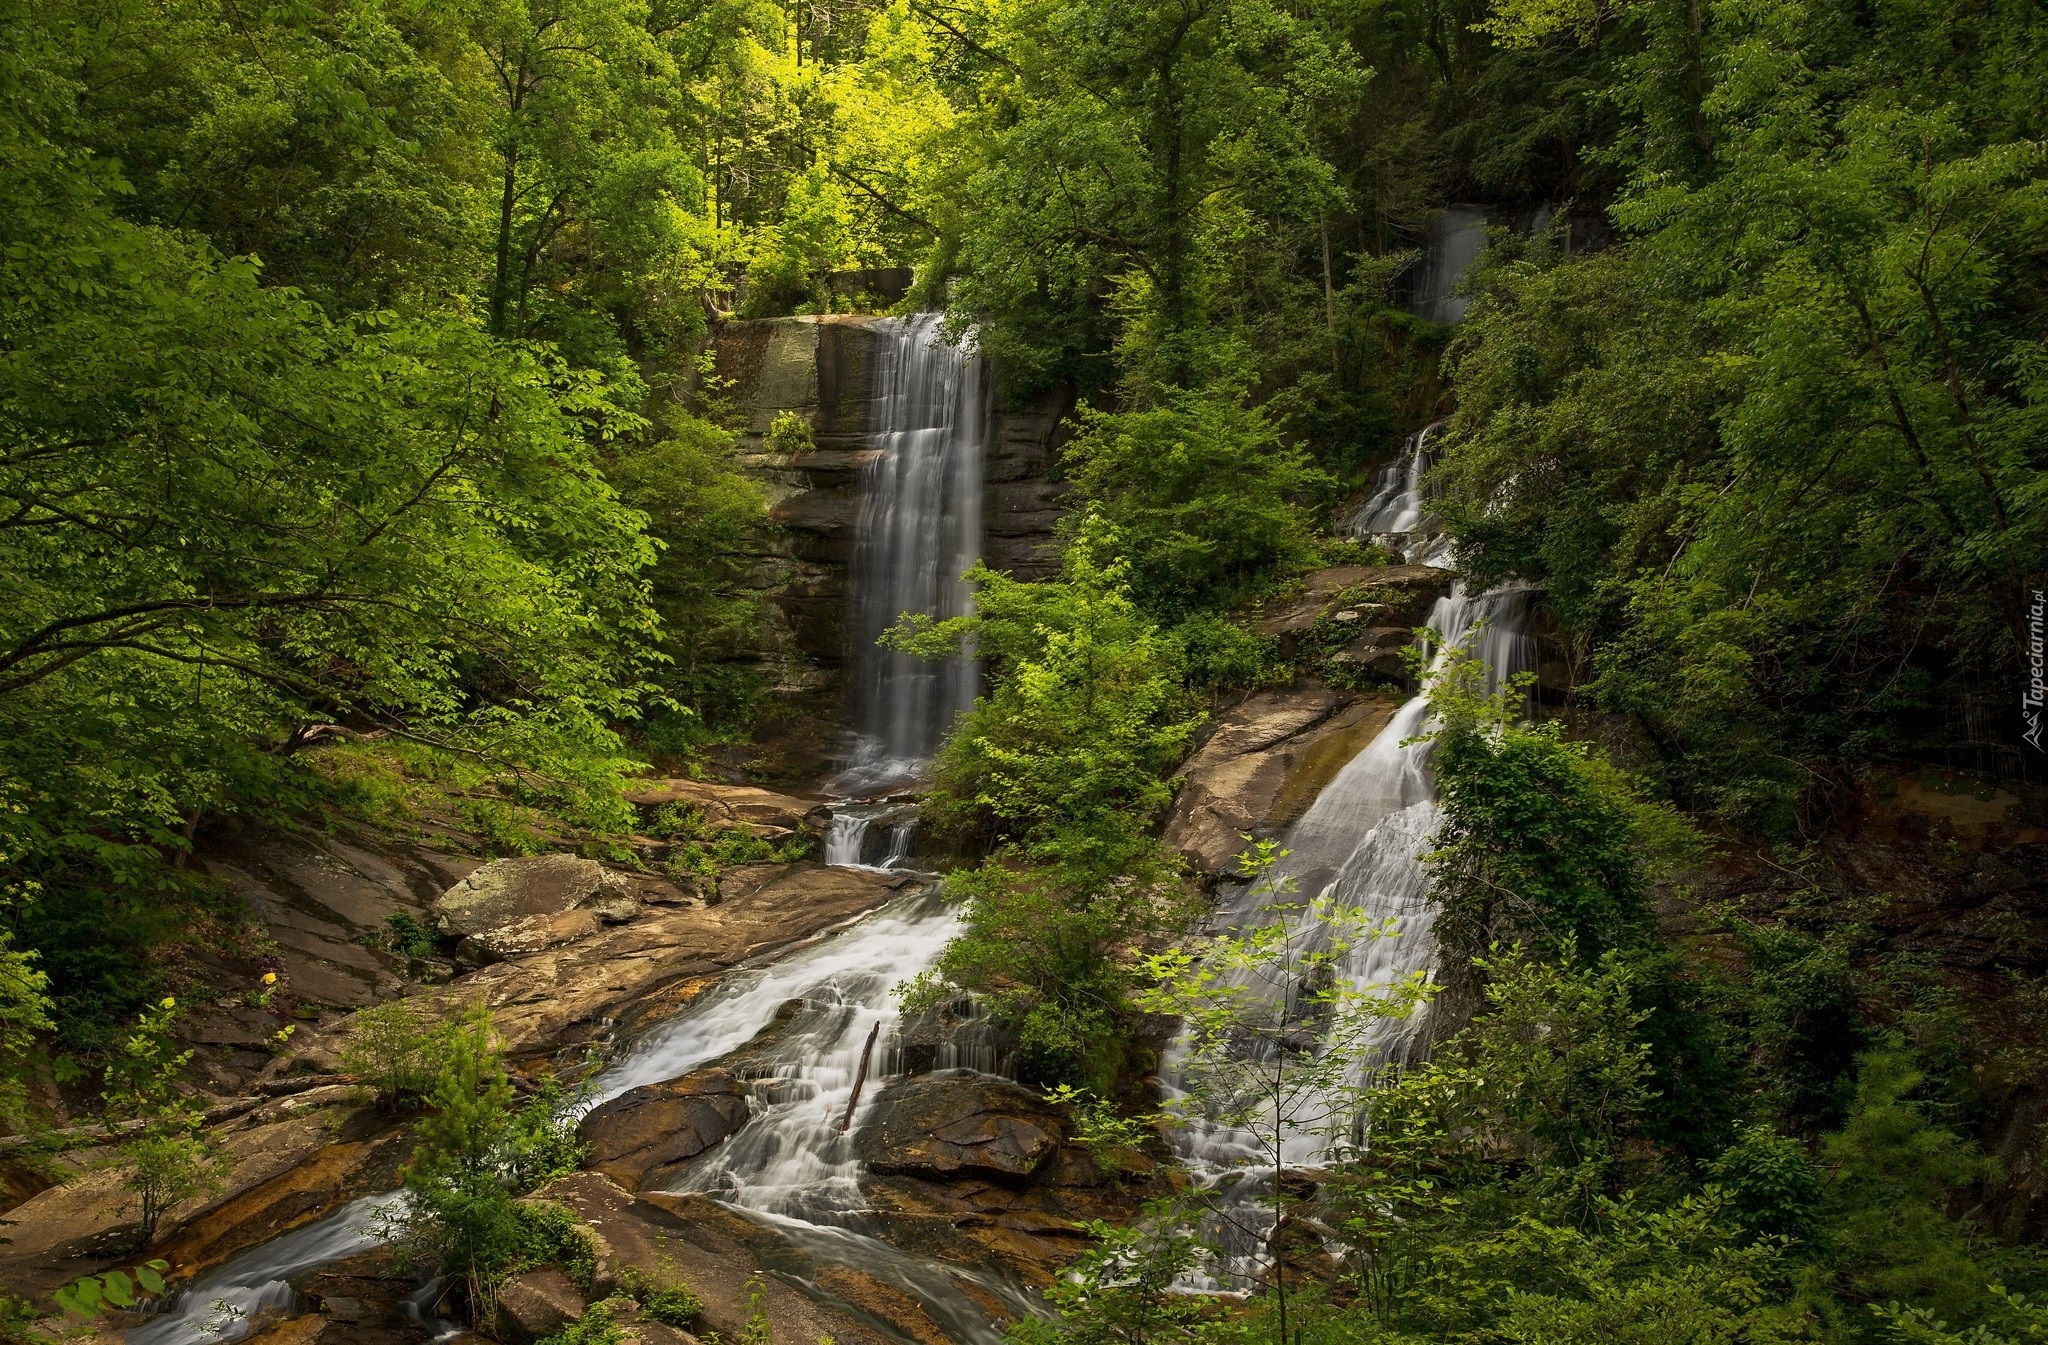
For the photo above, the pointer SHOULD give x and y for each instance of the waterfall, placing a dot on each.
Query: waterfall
(1455, 240)
(919, 532)
(793, 1164)
(1360, 844)
(1394, 515)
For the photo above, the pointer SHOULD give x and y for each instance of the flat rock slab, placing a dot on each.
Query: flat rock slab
(561, 997)
(536, 1304)
(649, 1128)
(506, 890)
(958, 1123)
(757, 810)
(283, 1172)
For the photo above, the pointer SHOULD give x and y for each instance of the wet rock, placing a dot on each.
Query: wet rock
(957, 1123)
(538, 1303)
(508, 890)
(281, 1174)
(655, 1126)
(565, 996)
(673, 1241)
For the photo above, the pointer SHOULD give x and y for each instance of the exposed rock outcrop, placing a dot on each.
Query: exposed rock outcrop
(647, 1129)
(505, 891)
(690, 1240)
(1265, 762)
(563, 997)
(957, 1123)
(536, 1304)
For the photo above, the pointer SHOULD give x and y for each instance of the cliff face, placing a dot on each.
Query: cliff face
(823, 369)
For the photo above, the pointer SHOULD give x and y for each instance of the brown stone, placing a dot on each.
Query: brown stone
(506, 890)
(657, 1125)
(560, 997)
(529, 934)
(958, 1123)
(538, 1303)
(726, 805)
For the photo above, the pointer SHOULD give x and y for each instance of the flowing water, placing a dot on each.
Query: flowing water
(1359, 845)
(226, 1302)
(919, 532)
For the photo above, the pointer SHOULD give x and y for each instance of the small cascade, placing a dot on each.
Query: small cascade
(871, 835)
(1360, 843)
(1394, 515)
(919, 532)
(229, 1301)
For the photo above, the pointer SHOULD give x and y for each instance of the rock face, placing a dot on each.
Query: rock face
(1264, 764)
(1376, 599)
(690, 1240)
(957, 1123)
(647, 1129)
(507, 890)
(538, 1303)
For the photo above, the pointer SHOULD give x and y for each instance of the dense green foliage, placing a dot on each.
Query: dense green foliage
(351, 392)
(343, 349)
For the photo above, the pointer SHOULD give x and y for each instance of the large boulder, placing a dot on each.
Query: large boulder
(528, 934)
(1265, 762)
(536, 1304)
(648, 1128)
(506, 890)
(957, 1123)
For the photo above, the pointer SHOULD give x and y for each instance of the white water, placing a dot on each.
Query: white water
(1359, 845)
(232, 1299)
(919, 532)
(871, 835)
(792, 1164)
(1394, 515)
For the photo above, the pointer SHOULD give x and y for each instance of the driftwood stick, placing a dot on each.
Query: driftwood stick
(859, 1080)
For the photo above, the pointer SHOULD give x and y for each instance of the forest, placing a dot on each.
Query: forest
(363, 441)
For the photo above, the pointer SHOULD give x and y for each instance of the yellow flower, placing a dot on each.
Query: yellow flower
(169, 1003)
(270, 978)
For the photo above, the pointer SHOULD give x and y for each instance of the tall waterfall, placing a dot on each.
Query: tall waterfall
(919, 531)
(1360, 843)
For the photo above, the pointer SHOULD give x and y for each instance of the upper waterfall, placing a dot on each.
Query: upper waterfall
(919, 532)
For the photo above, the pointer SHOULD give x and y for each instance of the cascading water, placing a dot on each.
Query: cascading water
(226, 1302)
(1360, 845)
(919, 532)
(1394, 513)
